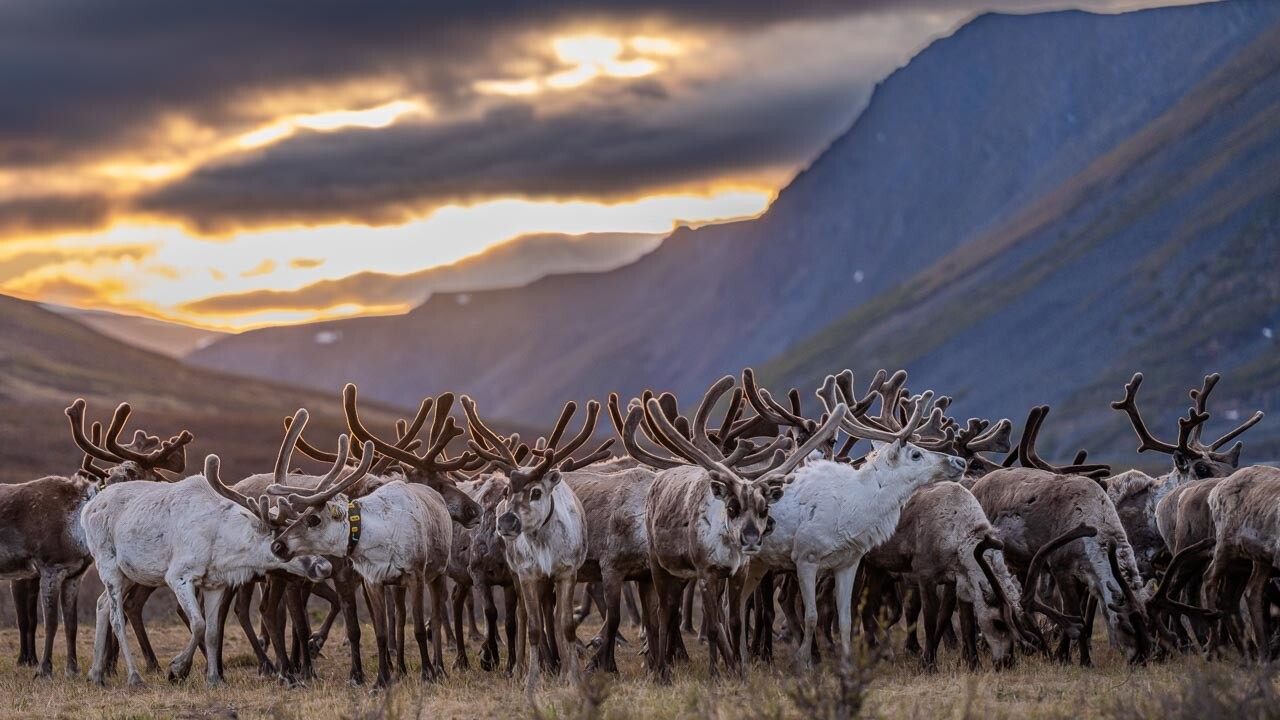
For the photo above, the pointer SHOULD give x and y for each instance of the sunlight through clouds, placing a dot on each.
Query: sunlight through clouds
(195, 268)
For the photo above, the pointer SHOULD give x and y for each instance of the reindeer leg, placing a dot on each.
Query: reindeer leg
(214, 613)
(26, 593)
(244, 604)
(416, 591)
(397, 610)
(489, 648)
(317, 640)
(440, 618)
(116, 587)
(458, 597)
(807, 579)
(1255, 600)
(531, 598)
(135, 601)
(932, 619)
(70, 601)
(567, 628)
(911, 608)
(968, 636)
(377, 597)
(296, 603)
(611, 586)
(346, 586)
(742, 587)
(1085, 641)
(844, 607)
(649, 610)
(669, 594)
(762, 635)
(50, 588)
(272, 615)
(184, 589)
(513, 609)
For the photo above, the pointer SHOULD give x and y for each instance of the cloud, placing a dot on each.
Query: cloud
(50, 214)
(516, 262)
(306, 263)
(612, 153)
(266, 267)
(19, 264)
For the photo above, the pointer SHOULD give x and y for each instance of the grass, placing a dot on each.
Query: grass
(897, 689)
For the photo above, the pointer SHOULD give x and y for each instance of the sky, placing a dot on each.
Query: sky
(248, 163)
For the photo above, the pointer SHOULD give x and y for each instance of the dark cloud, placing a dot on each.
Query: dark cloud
(516, 262)
(49, 214)
(607, 153)
(87, 79)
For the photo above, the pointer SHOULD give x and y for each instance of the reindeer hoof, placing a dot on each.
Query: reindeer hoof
(214, 682)
(135, 680)
(177, 672)
(44, 673)
(96, 678)
(315, 644)
(267, 669)
(461, 663)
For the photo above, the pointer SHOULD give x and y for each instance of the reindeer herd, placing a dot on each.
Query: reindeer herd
(762, 508)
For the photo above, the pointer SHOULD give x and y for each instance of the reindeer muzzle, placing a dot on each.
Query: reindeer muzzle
(318, 568)
(509, 525)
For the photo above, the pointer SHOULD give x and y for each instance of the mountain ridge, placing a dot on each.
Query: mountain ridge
(1001, 120)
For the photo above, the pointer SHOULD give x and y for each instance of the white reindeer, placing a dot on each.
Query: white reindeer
(183, 535)
(834, 513)
(543, 525)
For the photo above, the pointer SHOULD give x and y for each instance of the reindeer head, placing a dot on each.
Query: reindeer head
(901, 440)
(744, 479)
(311, 566)
(434, 468)
(1192, 460)
(530, 502)
(304, 521)
(142, 459)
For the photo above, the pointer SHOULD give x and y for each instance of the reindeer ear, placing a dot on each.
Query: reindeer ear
(552, 478)
(773, 492)
(336, 507)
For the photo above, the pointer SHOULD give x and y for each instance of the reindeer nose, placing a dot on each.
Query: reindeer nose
(509, 524)
(957, 465)
(320, 569)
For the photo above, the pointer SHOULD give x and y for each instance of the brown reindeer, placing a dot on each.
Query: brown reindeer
(1029, 506)
(43, 543)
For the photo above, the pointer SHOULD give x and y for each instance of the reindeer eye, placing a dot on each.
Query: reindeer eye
(916, 455)
(313, 520)
(535, 494)
(732, 508)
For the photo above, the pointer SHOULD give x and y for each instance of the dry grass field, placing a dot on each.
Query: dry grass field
(1034, 689)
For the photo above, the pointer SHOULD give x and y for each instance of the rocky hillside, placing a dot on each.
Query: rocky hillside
(1026, 212)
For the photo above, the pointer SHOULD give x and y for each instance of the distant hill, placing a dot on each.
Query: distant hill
(48, 360)
(516, 262)
(165, 338)
(1027, 212)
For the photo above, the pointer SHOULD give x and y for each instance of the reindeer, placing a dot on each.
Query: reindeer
(1137, 495)
(1246, 516)
(543, 526)
(187, 536)
(1030, 507)
(399, 535)
(944, 539)
(1169, 514)
(706, 514)
(833, 513)
(44, 550)
(437, 471)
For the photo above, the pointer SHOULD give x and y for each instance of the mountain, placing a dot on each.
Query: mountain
(516, 262)
(48, 360)
(158, 336)
(1027, 212)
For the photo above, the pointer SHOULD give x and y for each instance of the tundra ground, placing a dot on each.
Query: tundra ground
(1036, 688)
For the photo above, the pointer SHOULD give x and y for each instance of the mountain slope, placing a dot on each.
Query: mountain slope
(1023, 164)
(48, 360)
(158, 336)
